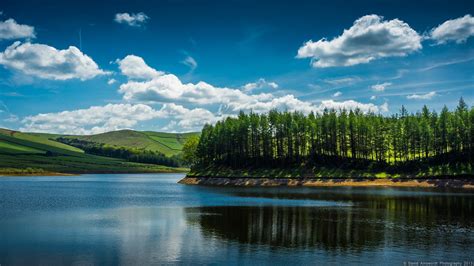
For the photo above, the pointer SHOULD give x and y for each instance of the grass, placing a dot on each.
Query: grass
(76, 165)
(436, 171)
(25, 153)
(39, 144)
(12, 148)
(167, 143)
(37, 138)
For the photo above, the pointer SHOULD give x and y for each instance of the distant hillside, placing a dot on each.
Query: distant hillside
(167, 143)
(16, 142)
(22, 153)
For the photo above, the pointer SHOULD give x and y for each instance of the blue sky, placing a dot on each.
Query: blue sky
(82, 67)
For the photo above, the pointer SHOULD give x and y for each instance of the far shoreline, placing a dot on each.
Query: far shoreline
(434, 182)
(86, 173)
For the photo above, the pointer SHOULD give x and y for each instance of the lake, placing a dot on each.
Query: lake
(143, 219)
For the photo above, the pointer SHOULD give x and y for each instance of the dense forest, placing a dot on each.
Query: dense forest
(339, 136)
(131, 155)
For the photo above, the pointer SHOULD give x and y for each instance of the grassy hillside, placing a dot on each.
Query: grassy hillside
(22, 141)
(22, 153)
(167, 143)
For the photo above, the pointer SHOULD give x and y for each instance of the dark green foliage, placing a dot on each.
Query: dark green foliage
(189, 155)
(338, 137)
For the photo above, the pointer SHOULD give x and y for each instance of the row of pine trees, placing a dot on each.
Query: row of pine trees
(283, 138)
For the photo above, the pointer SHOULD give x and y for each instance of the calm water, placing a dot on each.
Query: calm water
(149, 219)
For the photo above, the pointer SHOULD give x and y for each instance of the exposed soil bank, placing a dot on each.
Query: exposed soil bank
(270, 182)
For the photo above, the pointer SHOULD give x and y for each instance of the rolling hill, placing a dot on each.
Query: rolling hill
(22, 153)
(167, 143)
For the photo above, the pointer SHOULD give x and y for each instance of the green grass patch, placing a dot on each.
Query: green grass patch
(167, 143)
(437, 171)
(78, 165)
(13, 148)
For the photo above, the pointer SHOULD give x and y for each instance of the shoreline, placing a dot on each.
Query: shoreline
(331, 182)
(85, 173)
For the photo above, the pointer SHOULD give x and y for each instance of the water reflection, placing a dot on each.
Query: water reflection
(142, 220)
(289, 226)
(374, 221)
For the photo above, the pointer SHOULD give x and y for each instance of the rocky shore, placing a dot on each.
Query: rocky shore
(323, 182)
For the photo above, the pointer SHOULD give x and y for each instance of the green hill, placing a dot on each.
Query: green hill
(25, 141)
(22, 153)
(167, 143)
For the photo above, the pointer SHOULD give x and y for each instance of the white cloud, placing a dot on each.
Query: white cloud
(381, 87)
(283, 103)
(169, 88)
(456, 30)
(373, 97)
(47, 62)
(446, 63)
(11, 118)
(184, 119)
(134, 20)
(134, 67)
(384, 107)
(350, 105)
(111, 81)
(190, 62)
(337, 94)
(427, 96)
(10, 30)
(344, 80)
(98, 119)
(260, 83)
(369, 38)
(164, 88)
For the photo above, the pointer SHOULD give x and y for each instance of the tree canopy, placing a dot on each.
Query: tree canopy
(285, 138)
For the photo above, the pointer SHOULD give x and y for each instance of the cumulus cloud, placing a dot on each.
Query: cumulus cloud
(455, 30)
(99, 119)
(369, 38)
(351, 105)
(190, 62)
(426, 96)
(134, 67)
(337, 94)
(111, 81)
(47, 62)
(134, 20)
(96, 119)
(184, 119)
(260, 83)
(10, 30)
(168, 88)
(373, 97)
(381, 87)
(283, 103)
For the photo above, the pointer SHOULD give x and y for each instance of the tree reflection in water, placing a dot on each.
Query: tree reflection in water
(374, 221)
